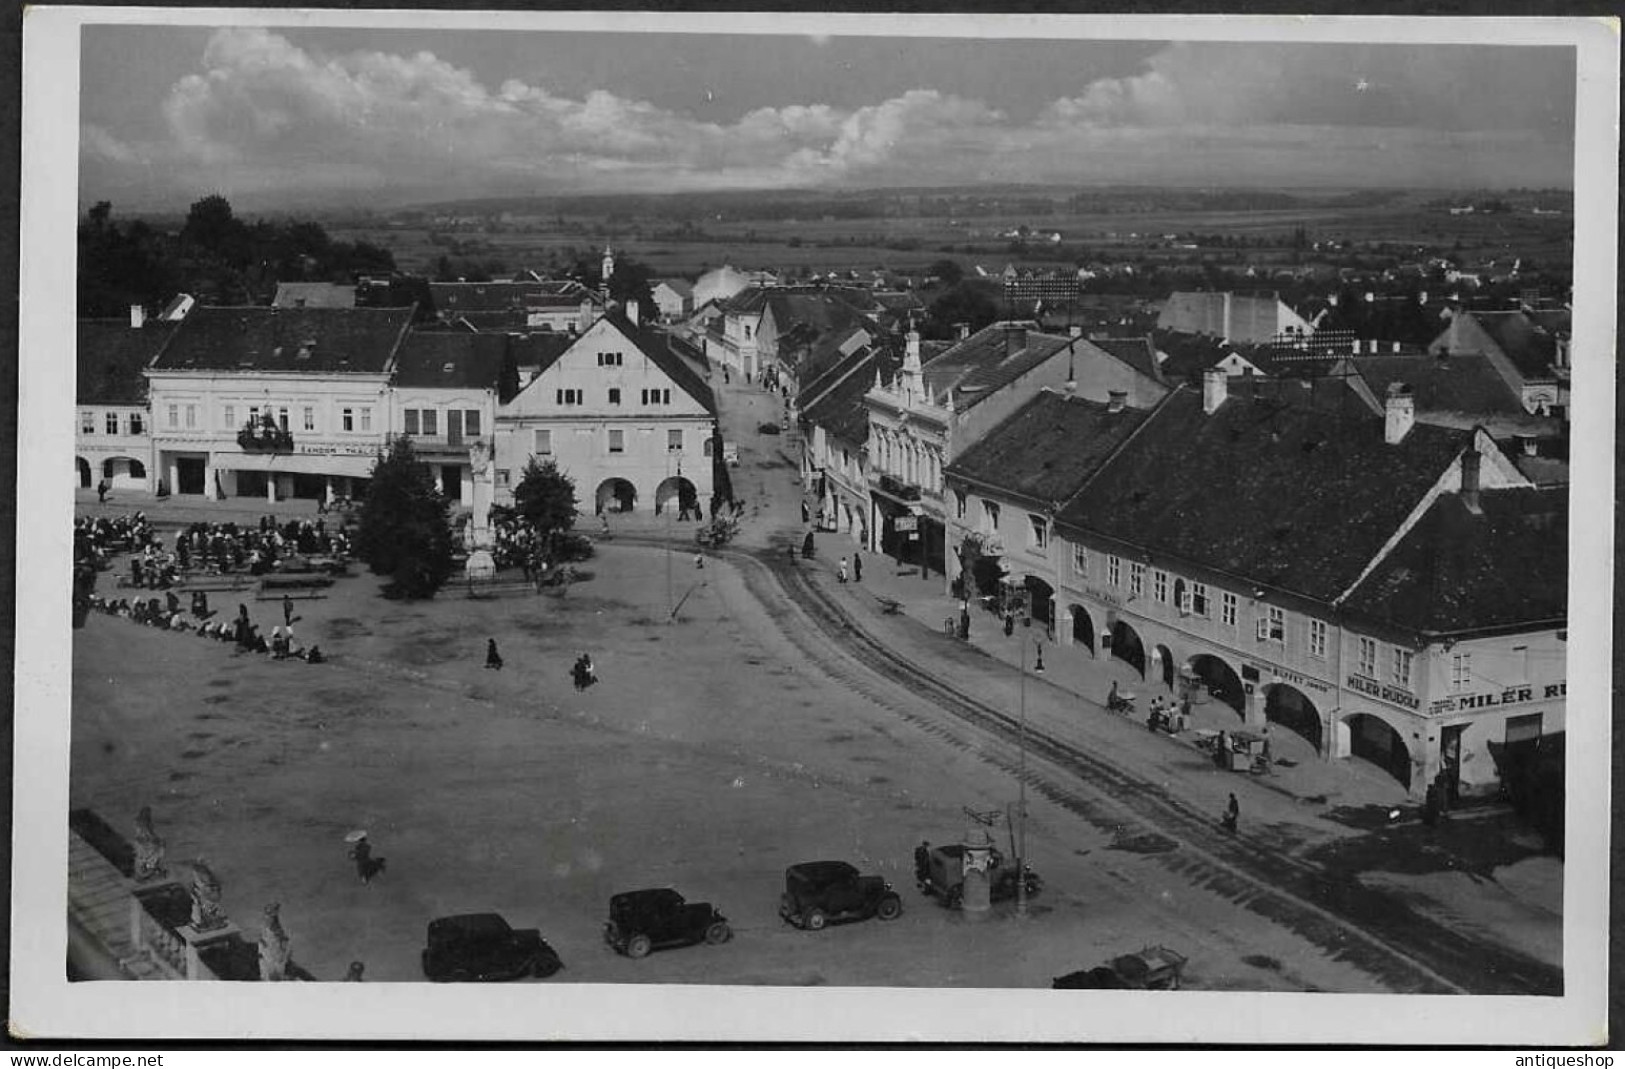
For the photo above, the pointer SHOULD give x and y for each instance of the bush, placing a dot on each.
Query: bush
(573, 547)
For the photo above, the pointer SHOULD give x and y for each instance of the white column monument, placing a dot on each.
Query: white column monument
(481, 565)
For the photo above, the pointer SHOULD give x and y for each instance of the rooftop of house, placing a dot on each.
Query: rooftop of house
(668, 354)
(680, 286)
(1278, 492)
(1530, 346)
(993, 357)
(451, 361)
(112, 354)
(1048, 448)
(313, 295)
(1458, 570)
(309, 340)
(456, 298)
(1463, 382)
(1137, 353)
(838, 394)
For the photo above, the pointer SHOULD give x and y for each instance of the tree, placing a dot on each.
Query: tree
(965, 303)
(545, 500)
(404, 532)
(948, 271)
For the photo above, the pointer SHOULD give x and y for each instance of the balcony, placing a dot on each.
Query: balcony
(264, 437)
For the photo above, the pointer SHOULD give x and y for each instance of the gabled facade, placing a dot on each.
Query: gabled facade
(674, 297)
(622, 414)
(835, 436)
(1236, 317)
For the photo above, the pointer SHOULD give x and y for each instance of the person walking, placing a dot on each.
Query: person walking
(857, 566)
(366, 866)
(1009, 622)
(806, 513)
(964, 621)
(287, 610)
(840, 571)
(101, 492)
(493, 659)
(1232, 815)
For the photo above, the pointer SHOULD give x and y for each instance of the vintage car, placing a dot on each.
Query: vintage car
(641, 921)
(944, 878)
(817, 893)
(1155, 968)
(481, 946)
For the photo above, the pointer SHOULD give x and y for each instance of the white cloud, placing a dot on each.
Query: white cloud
(266, 114)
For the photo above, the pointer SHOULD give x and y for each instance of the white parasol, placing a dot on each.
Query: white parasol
(355, 836)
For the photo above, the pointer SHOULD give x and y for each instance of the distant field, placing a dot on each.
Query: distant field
(909, 244)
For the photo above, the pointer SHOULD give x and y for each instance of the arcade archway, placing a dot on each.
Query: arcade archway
(676, 492)
(83, 467)
(1220, 681)
(1083, 628)
(615, 495)
(1290, 707)
(1127, 647)
(1040, 601)
(1373, 739)
(1163, 665)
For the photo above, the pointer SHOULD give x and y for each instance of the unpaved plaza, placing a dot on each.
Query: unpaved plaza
(708, 758)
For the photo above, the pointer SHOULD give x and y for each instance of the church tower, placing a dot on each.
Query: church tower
(608, 269)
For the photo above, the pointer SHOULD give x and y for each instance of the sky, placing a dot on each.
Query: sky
(278, 117)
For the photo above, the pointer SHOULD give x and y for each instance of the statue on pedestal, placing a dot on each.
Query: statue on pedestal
(481, 564)
(207, 912)
(273, 945)
(149, 848)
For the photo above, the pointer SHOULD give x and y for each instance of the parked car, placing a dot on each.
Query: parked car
(1155, 968)
(944, 878)
(481, 946)
(767, 428)
(817, 893)
(641, 921)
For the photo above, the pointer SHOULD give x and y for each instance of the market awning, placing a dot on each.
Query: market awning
(356, 467)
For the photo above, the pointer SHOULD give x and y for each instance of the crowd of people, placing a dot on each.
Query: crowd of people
(228, 547)
(197, 618)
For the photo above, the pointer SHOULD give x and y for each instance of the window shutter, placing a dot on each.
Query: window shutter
(1263, 629)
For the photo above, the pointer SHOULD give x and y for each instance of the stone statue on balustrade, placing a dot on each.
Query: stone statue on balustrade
(149, 848)
(273, 945)
(207, 912)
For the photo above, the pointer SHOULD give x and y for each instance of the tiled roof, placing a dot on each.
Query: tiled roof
(993, 357)
(456, 298)
(310, 340)
(1465, 382)
(839, 406)
(313, 295)
(1188, 354)
(1137, 353)
(1284, 494)
(111, 357)
(680, 286)
(451, 361)
(539, 349)
(1530, 347)
(1047, 449)
(1456, 571)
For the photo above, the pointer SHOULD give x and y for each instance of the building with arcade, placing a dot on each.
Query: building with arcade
(1382, 589)
(623, 412)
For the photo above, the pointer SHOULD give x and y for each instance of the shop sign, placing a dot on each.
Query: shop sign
(1491, 699)
(346, 450)
(906, 523)
(1286, 675)
(1387, 692)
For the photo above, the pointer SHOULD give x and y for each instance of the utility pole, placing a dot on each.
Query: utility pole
(1021, 781)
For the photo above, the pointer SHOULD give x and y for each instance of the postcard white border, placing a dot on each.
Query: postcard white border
(44, 1004)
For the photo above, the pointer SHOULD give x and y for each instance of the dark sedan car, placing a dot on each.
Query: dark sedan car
(817, 893)
(641, 921)
(481, 946)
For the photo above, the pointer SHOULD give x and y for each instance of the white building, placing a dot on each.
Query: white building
(444, 395)
(674, 297)
(620, 412)
(113, 440)
(320, 375)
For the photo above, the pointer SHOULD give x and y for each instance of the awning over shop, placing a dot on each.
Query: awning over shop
(297, 463)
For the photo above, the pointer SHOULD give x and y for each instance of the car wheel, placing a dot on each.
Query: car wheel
(718, 932)
(955, 898)
(816, 920)
(638, 946)
(546, 967)
(890, 908)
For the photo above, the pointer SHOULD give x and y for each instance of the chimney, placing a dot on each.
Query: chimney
(963, 329)
(138, 316)
(1399, 412)
(1469, 482)
(1215, 386)
(1226, 327)
(1118, 400)
(632, 311)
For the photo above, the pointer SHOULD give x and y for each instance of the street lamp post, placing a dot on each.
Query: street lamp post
(1021, 781)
